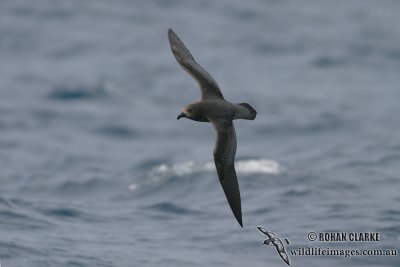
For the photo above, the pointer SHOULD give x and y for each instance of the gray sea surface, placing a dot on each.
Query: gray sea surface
(95, 170)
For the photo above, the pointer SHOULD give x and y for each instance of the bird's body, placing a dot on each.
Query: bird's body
(213, 108)
(209, 110)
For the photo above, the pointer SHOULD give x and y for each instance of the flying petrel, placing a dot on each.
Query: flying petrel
(213, 108)
(273, 240)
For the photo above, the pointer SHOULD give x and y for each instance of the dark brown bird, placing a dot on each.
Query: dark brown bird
(213, 108)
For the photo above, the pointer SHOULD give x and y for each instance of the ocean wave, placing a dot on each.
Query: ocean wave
(298, 191)
(63, 212)
(5, 202)
(68, 92)
(16, 214)
(168, 207)
(315, 123)
(117, 131)
(325, 61)
(84, 185)
(190, 168)
(250, 166)
(390, 215)
(13, 249)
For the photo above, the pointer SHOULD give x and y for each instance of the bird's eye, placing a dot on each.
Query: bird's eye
(190, 110)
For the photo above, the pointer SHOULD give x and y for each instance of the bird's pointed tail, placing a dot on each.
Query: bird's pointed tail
(245, 111)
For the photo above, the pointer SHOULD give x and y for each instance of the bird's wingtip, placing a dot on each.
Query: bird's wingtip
(172, 37)
(238, 216)
(170, 32)
(262, 229)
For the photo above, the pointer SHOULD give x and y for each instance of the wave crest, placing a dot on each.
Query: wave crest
(250, 166)
(165, 173)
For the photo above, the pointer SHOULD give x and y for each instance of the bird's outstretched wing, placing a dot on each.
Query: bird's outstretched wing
(209, 87)
(224, 158)
(284, 257)
(264, 231)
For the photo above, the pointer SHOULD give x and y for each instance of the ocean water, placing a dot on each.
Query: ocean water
(95, 170)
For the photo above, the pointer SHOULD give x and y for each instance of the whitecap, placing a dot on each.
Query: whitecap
(132, 187)
(258, 166)
(249, 166)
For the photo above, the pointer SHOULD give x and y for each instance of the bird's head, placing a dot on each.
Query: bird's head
(192, 112)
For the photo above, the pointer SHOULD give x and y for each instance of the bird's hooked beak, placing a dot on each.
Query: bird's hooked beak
(181, 115)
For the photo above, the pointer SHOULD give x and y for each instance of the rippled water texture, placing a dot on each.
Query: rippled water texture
(95, 170)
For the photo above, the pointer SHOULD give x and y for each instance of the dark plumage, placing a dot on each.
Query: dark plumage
(213, 108)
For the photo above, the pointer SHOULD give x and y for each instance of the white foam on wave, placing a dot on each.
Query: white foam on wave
(132, 187)
(258, 166)
(250, 166)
